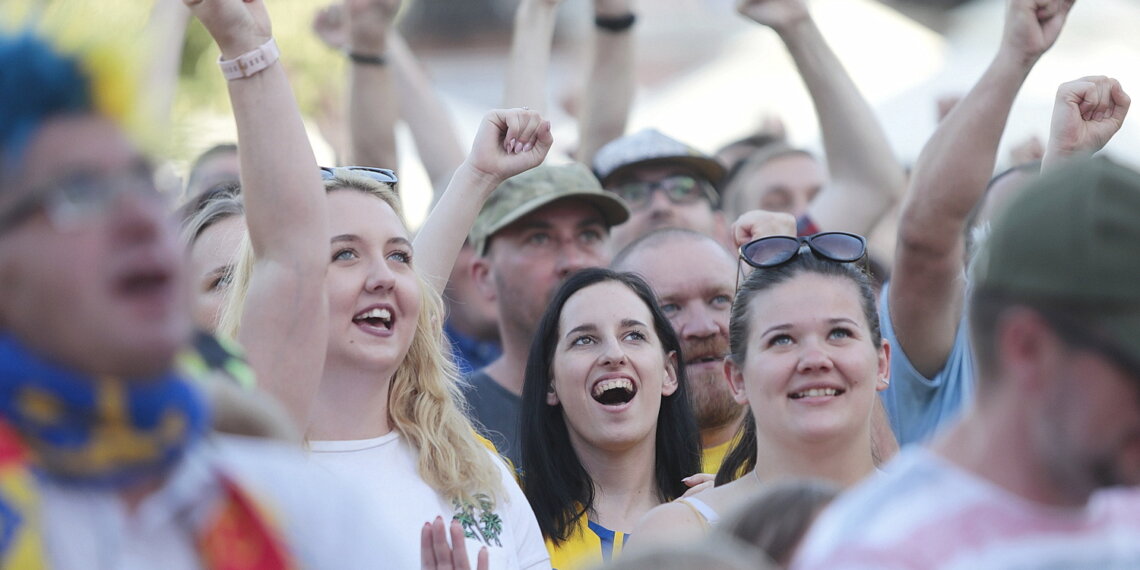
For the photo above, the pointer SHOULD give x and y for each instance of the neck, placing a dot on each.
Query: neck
(624, 484)
(999, 447)
(351, 404)
(718, 435)
(844, 461)
(509, 369)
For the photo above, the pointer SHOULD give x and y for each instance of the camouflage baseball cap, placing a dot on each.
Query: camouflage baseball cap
(1071, 241)
(651, 148)
(535, 188)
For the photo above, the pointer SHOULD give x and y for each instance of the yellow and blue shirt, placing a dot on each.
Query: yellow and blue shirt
(590, 545)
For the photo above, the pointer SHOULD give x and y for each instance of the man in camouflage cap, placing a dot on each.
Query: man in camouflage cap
(666, 183)
(535, 230)
(1023, 480)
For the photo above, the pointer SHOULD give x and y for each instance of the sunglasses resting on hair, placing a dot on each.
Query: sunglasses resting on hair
(773, 251)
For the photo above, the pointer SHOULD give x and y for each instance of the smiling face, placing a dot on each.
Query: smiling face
(374, 295)
(104, 292)
(212, 258)
(609, 370)
(811, 368)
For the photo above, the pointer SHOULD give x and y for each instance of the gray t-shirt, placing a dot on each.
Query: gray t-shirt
(495, 411)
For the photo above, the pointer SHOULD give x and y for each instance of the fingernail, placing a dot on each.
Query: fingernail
(528, 146)
(512, 143)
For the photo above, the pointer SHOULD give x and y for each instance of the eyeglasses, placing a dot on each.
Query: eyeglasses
(680, 189)
(773, 251)
(79, 200)
(382, 175)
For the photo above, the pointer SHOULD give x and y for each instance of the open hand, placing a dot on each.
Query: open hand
(437, 554)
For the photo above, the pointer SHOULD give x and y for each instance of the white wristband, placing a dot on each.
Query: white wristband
(250, 62)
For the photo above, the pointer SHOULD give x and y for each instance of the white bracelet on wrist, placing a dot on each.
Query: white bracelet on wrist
(250, 62)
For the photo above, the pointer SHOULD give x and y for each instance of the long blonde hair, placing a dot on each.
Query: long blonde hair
(425, 403)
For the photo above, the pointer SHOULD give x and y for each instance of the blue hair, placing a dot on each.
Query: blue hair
(37, 83)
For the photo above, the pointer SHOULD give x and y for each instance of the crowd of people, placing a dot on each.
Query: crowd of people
(646, 357)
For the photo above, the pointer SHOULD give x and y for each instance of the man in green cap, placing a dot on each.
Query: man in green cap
(1042, 471)
(534, 231)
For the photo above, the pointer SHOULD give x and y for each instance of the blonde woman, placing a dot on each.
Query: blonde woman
(332, 303)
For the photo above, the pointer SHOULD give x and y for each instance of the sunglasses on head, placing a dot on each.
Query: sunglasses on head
(382, 175)
(679, 188)
(773, 251)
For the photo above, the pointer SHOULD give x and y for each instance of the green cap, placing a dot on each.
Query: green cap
(537, 187)
(1072, 239)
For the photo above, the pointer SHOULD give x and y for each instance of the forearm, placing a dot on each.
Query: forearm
(428, 118)
(439, 240)
(372, 113)
(957, 162)
(608, 94)
(529, 59)
(166, 31)
(863, 169)
(281, 185)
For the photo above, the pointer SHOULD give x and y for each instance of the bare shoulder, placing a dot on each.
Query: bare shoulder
(671, 523)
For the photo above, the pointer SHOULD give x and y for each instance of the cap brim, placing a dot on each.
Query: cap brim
(707, 167)
(613, 209)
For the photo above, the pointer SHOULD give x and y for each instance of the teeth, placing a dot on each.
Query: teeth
(601, 387)
(382, 314)
(815, 392)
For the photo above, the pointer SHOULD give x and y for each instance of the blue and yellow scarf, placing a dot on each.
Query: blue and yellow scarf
(108, 433)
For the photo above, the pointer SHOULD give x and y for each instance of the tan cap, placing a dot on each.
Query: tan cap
(535, 188)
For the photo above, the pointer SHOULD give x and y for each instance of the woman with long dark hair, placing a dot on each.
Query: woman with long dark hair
(607, 430)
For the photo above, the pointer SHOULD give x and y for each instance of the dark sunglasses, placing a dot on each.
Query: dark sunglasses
(680, 189)
(78, 201)
(382, 175)
(772, 251)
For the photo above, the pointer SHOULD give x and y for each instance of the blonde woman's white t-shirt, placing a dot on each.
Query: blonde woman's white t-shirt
(387, 466)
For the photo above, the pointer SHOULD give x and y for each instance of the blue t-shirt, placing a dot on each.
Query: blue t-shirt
(918, 406)
(470, 354)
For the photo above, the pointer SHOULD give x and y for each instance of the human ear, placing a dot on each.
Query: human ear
(884, 366)
(669, 385)
(735, 377)
(551, 395)
(484, 278)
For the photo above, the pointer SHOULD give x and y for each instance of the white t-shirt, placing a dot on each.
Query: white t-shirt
(324, 518)
(924, 512)
(388, 464)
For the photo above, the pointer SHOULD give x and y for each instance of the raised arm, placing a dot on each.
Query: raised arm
(609, 90)
(418, 102)
(529, 61)
(1086, 115)
(866, 178)
(165, 33)
(508, 142)
(433, 130)
(284, 323)
(949, 179)
(372, 106)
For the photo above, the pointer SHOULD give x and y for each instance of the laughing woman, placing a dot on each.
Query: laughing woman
(344, 320)
(807, 358)
(607, 429)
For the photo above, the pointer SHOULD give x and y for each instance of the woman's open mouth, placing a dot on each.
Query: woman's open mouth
(614, 392)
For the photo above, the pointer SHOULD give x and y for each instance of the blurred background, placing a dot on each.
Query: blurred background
(705, 74)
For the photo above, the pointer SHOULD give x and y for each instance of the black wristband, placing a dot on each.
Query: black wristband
(367, 59)
(615, 23)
